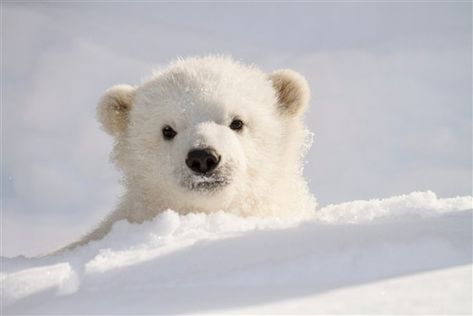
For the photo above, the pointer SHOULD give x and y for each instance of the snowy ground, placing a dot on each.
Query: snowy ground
(409, 254)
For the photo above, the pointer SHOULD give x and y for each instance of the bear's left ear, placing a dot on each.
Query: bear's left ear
(114, 107)
(292, 91)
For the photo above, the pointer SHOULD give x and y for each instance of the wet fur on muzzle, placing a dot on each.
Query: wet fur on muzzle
(208, 183)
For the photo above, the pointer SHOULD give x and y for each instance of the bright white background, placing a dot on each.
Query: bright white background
(391, 107)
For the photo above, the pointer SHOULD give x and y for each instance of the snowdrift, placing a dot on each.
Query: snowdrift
(409, 254)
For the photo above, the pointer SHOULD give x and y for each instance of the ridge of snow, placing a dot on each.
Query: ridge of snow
(415, 204)
(174, 263)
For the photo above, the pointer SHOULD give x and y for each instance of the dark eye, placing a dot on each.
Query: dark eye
(168, 132)
(236, 125)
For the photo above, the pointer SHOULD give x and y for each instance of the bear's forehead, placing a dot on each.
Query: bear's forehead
(196, 102)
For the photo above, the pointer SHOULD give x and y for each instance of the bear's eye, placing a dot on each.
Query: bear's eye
(236, 124)
(168, 132)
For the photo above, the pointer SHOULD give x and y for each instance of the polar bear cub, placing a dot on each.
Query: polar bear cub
(208, 134)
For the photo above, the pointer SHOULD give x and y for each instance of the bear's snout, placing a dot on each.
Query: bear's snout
(202, 161)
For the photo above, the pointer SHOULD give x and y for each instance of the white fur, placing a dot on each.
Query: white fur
(199, 97)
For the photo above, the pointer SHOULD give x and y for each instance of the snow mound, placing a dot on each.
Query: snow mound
(416, 204)
(396, 255)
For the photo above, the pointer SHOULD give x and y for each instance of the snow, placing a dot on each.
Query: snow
(409, 254)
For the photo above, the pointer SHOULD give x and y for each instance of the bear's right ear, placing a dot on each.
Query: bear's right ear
(292, 91)
(114, 107)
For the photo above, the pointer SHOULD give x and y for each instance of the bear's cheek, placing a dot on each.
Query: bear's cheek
(263, 143)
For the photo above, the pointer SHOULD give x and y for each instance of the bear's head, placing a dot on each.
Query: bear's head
(208, 134)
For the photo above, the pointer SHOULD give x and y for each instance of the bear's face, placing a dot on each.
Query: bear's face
(203, 132)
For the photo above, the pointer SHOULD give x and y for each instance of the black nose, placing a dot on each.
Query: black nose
(202, 160)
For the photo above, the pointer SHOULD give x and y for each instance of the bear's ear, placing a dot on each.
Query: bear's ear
(292, 91)
(114, 107)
